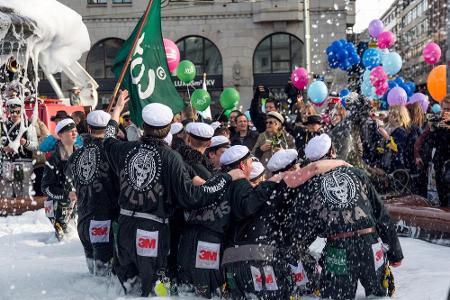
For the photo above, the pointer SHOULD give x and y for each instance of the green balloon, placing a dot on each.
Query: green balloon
(227, 113)
(200, 99)
(229, 98)
(186, 71)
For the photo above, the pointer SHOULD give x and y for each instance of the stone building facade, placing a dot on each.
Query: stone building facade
(236, 43)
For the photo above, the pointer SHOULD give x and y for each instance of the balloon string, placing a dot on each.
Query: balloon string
(223, 110)
(190, 102)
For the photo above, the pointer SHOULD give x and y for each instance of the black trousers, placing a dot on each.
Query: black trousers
(205, 281)
(102, 251)
(260, 279)
(143, 247)
(345, 261)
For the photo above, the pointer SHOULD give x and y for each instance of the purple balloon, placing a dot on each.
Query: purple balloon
(397, 96)
(417, 97)
(376, 27)
(425, 105)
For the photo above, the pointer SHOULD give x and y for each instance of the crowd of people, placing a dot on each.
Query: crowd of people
(230, 208)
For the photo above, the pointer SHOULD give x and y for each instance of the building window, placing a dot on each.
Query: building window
(203, 53)
(121, 1)
(101, 57)
(278, 53)
(97, 1)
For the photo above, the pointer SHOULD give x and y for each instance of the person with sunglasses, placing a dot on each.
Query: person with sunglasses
(273, 139)
(15, 131)
(133, 133)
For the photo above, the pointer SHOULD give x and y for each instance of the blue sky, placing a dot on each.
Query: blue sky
(367, 10)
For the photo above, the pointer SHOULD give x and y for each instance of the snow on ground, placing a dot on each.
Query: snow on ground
(33, 265)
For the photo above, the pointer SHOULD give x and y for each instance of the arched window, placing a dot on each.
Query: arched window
(278, 53)
(101, 57)
(203, 53)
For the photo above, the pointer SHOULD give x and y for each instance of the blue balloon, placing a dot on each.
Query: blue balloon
(371, 58)
(367, 89)
(333, 64)
(392, 63)
(247, 114)
(329, 50)
(366, 75)
(317, 91)
(342, 55)
(345, 65)
(343, 93)
(399, 80)
(436, 108)
(412, 86)
(392, 84)
(354, 59)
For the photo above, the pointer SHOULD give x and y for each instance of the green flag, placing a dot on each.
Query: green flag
(147, 78)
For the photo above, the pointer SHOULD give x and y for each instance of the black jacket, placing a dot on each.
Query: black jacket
(342, 200)
(96, 185)
(197, 161)
(153, 177)
(237, 202)
(55, 184)
(249, 140)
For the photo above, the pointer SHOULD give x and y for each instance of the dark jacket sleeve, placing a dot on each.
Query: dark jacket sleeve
(246, 201)
(112, 146)
(50, 184)
(201, 171)
(186, 193)
(384, 225)
(258, 117)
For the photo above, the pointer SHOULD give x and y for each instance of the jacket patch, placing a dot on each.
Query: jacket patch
(143, 167)
(339, 189)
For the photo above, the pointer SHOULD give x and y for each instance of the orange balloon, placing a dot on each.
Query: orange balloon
(437, 83)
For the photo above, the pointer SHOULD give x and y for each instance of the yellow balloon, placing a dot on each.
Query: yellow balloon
(437, 83)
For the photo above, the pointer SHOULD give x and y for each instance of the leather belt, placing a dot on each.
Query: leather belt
(130, 213)
(344, 235)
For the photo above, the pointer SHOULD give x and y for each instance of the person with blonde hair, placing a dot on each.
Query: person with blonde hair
(396, 135)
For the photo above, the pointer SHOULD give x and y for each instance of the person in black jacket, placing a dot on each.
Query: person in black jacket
(303, 135)
(343, 207)
(257, 115)
(60, 204)
(97, 189)
(244, 136)
(218, 145)
(153, 181)
(251, 260)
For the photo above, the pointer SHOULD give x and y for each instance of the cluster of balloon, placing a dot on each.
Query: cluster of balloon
(172, 54)
(378, 78)
(436, 83)
(229, 98)
(299, 78)
(186, 71)
(200, 99)
(342, 54)
(420, 98)
(318, 92)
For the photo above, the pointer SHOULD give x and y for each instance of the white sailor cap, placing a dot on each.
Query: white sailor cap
(318, 147)
(282, 160)
(215, 125)
(257, 170)
(157, 115)
(219, 141)
(14, 102)
(176, 128)
(98, 119)
(200, 131)
(64, 125)
(234, 154)
(168, 139)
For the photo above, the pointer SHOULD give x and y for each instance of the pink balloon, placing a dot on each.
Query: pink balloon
(299, 78)
(378, 78)
(172, 54)
(431, 53)
(382, 89)
(386, 40)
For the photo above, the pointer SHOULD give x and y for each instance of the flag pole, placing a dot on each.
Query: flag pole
(130, 55)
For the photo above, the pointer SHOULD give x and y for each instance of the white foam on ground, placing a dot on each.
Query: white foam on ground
(33, 265)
